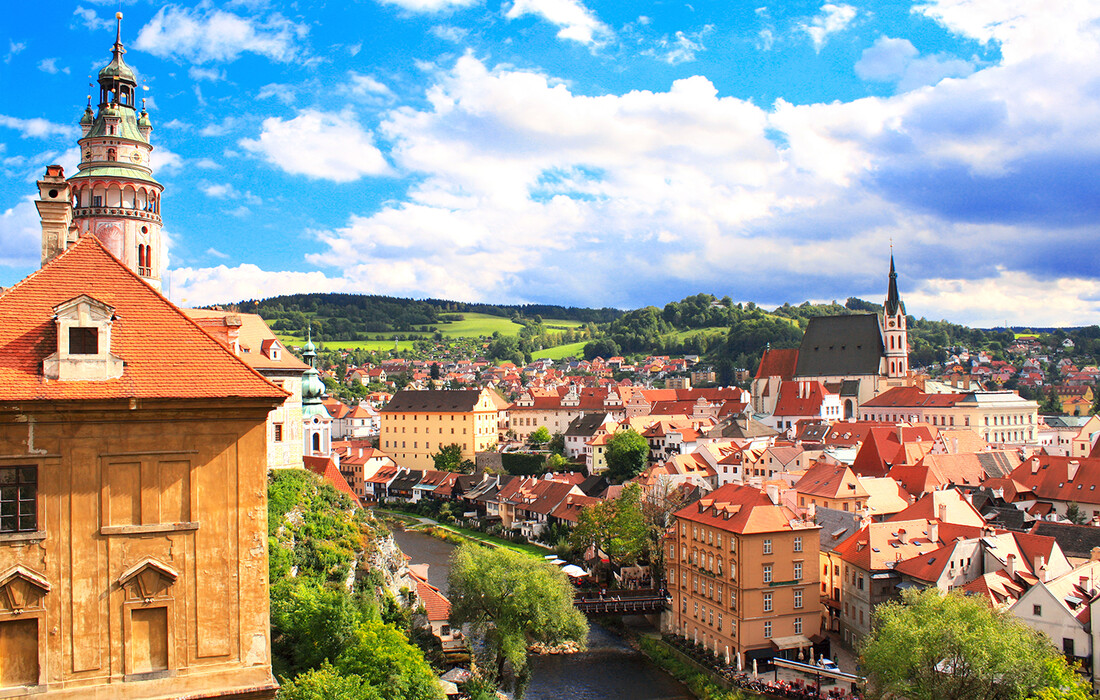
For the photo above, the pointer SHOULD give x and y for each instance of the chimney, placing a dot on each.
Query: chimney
(1095, 554)
(811, 514)
(934, 532)
(773, 493)
(1072, 468)
(941, 512)
(1010, 567)
(903, 536)
(1034, 465)
(1040, 565)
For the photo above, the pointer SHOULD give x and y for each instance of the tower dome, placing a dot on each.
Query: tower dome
(313, 389)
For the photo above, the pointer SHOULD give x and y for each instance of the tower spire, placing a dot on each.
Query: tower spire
(893, 299)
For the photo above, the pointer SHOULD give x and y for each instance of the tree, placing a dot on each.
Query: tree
(449, 459)
(383, 657)
(626, 455)
(326, 683)
(539, 437)
(512, 600)
(1074, 514)
(617, 528)
(1051, 404)
(557, 442)
(931, 646)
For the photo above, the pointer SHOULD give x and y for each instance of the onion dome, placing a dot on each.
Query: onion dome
(313, 389)
(88, 117)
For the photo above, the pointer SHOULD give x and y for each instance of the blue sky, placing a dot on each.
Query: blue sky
(593, 152)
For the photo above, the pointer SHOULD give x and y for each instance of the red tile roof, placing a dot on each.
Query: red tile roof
(778, 363)
(326, 468)
(166, 354)
(800, 398)
(742, 509)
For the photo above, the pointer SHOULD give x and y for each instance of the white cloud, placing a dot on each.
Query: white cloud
(228, 191)
(214, 252)
(451, 33)
(211, 74)
(575, 21)
(14, 49)
(221, 284)
(166, 162)
(431, 5)
(831, 19)
(897, 60)
(91, 20)
(319, 145)
(49, 65)
(204, 34)
(679, 49)
(36, 127)
(21, 235)
(361, 85)
(1010, 295)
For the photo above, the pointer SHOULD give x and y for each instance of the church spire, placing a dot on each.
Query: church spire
(893, 300)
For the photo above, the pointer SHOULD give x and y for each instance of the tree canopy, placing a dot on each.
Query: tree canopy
(449, 459)
(512, 600)
(932, 646)
(617, 528)
(541, 436)
(626, 454)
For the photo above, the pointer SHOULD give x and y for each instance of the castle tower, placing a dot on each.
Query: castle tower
(895, 336)
(113, 195)
(316, 421)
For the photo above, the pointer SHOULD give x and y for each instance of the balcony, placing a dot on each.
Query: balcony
(85, 212)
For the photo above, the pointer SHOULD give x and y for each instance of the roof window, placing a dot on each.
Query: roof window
(83, 342)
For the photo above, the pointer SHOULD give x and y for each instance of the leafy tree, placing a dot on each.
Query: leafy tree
(626, 454)
(326, 683)
(604, 347)
(931, 646)
(310, 625)
(556, 463)
(383, 657)
(449, 459)
(617, 528)
(512, 600)
(540, 436)
(434, 372)
(557, 441)
(1051, 405)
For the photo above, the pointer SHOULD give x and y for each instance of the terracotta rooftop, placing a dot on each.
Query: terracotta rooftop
(166, 354)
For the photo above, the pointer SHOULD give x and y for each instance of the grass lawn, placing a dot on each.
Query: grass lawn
(710, 330)
(475, 325)
(561, 324)
(561, 351)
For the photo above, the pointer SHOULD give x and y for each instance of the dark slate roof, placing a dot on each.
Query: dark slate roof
(450, 401)
(741, 428)
(836, 526)
(1075, 540)
(586, 425)
(406, 481)
(996, 464)
(594, 486)
(840, 346)
(1007, 517)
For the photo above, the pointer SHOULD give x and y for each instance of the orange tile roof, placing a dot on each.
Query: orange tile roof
(742, 509)
(254, 337)
(166, 354)
(778, 363)
(800, 398)
(326, 468)
(1049, 477)
(830, 481)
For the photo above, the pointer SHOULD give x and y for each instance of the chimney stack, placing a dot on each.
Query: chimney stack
(773, 493)
(934, 532)
(1040, 567)
(1072, 468)
(1095, 554)
(941, 512)
(1010, 567)
(903, 536)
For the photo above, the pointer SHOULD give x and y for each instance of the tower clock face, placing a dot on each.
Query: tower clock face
(136, 157)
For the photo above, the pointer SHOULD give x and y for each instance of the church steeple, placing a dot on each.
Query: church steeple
(895, 336)
(114, 195)
(316, 421)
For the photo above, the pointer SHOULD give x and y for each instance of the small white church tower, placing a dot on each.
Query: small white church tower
(895, 336)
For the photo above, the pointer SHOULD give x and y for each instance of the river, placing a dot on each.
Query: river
(608, 670)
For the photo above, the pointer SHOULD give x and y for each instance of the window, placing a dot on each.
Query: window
(733, 600)
(798, 625)
(278, 432)
(720, 623)
(767, 573)
(798, 544)
(767, 629)
(1037, 610)
(859, 583)
(18, 499)
(798, 571)
(83, 340)
(718, 539)
(798, 598)
(767, 546)
(1067, 646)
(767, 602)
(696, 608)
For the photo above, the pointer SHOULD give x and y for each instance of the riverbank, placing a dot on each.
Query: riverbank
(460, 535)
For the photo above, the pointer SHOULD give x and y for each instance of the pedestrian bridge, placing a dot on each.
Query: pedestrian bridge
(622, 602)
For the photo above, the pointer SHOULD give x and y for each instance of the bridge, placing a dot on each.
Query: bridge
(622, 602)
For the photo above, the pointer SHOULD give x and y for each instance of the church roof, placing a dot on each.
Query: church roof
(113, 171)
(166, 354)
(893, 300)
(841, 346)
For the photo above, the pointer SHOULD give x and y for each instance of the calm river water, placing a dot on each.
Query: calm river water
(608, 670)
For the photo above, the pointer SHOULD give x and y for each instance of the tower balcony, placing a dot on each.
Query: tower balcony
(124, 212)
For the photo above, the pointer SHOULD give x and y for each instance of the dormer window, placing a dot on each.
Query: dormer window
(83, 342)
